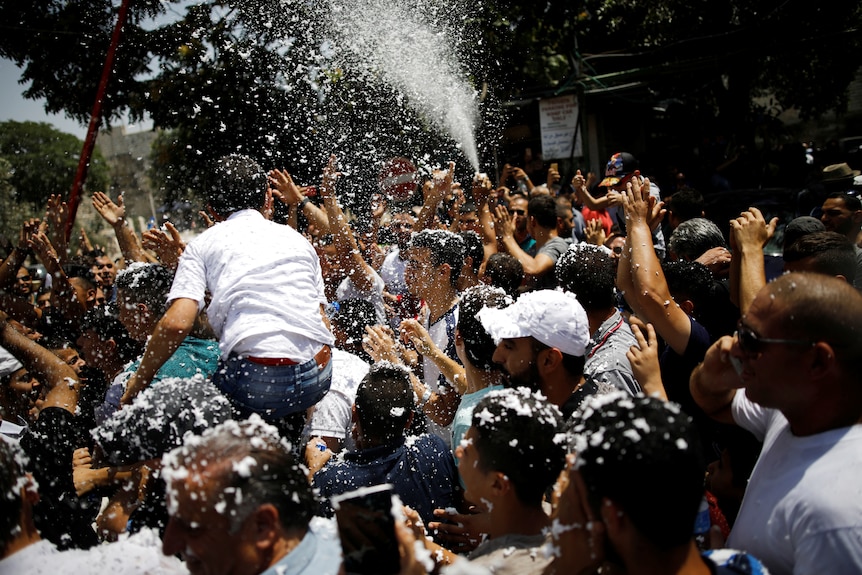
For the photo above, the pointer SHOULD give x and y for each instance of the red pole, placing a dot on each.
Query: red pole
(95, 120)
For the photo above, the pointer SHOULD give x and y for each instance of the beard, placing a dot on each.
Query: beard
(528, 378)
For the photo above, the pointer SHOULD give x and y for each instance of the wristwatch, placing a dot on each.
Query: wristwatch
(302, 203)
(425, 397)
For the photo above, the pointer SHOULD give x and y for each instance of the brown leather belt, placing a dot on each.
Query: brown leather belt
(322, 358)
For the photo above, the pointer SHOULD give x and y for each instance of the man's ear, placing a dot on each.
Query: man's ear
(687, 306)
(549, 359)
(445, 269)
(824, 361)
(500, 484)
(266, 525)
(214, 214)
(409, 421)
(613, 517)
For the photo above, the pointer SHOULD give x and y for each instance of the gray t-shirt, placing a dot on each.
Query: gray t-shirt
(512, 555)
(554, 248)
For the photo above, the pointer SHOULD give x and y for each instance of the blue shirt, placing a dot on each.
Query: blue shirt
(420, 469)
(464, 414)
(316, 554)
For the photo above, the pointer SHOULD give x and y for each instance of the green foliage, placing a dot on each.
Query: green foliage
(12, 213)
(62, 46)
(256, 76)
(41, 161)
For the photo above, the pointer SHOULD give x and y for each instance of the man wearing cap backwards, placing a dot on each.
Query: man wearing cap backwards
(541, 344)
(620, 170)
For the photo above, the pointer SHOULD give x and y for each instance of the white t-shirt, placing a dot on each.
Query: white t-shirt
(347, 290)
(266, 287)
(442, 336)
(802, 510)
(392, 272)
(332, 414)
(139, 554)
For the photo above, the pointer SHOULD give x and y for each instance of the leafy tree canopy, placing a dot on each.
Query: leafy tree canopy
(281, 80)
(43, 160)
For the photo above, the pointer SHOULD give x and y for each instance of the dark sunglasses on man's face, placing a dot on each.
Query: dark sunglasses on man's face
(752, 344)
(518, 212)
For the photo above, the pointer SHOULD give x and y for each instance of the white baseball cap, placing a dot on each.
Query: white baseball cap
(553, 317)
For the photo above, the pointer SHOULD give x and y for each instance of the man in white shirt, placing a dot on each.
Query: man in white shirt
(266, 307)
(796, 387)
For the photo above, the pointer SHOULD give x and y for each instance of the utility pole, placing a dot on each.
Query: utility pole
(95, 120)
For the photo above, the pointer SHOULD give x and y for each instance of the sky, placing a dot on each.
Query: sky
(14, 106)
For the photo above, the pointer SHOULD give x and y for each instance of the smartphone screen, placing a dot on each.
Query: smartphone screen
(366, 527)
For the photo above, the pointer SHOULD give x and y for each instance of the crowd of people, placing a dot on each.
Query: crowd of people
(578, 378)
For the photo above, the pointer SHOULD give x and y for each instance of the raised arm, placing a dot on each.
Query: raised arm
(645, 287)
(371, 249)
(15, 260)
(482, 192)
(749, 233)
(435, 191)
(584, 196)
(346, 246)
(169, 333)
(115, 216)
(284, 189)
(421, 339)
(54, 373)
(505, 229)
(63, 294)
(167, 245)
(56, 213)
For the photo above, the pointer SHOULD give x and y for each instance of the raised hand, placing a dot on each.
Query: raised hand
(482, 189)
(56, 213)
(25, 236)
(167, 245)
(208, 221)
(86, 244)
(553, 177)
(442, 180)
(504, 225)
(643, 358)
(636, 202)
(751, 228)
(43, 248)
(330, 175)
(380, 344)
(283, 187)
(595, 232)
(113, 214)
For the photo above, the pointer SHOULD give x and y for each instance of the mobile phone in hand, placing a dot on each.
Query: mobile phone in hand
(366, 526)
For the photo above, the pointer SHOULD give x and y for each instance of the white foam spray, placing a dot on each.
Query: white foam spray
(412, 47)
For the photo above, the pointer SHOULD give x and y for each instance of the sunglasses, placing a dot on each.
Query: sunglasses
(518, 212)
(752, 344)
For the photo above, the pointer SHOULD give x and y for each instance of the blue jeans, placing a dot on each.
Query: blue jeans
(273, 392)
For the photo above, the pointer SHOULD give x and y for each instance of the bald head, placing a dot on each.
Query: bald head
(820, 308)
